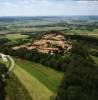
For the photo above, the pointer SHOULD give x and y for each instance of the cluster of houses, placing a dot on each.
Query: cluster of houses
(49, 44)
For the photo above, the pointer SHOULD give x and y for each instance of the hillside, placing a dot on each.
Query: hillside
(36, 80)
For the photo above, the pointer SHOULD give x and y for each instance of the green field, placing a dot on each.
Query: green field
(85, 32)
(14, 36)
(40, 82)
(49, 77)
(15, 89)
(38, 29)
(35, 88)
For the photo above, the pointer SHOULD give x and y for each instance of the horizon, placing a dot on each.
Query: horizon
(56, 16)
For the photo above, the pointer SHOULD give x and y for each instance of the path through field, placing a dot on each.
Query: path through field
(35, 88)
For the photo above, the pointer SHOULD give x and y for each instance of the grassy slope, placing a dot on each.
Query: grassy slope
(49, 77)
(35, 88)
(15, 90)
(40, 82)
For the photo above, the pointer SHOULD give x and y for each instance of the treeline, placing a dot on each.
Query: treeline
(3, 41)
(83, 39)
(2, 82)
(89, 41)
(80, 80)
(58, 62)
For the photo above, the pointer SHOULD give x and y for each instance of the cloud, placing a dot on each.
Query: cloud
(47, 7)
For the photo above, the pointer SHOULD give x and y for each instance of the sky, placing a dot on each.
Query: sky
(48, 7)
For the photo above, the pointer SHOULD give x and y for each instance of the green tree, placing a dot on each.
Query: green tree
(80, 81)
(2, 83)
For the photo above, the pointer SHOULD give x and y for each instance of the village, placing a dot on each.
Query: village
(50, 44)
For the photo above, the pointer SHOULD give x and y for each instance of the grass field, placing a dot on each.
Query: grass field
(49, 77)
(40, 82)
(34, 87)
(93, 33)
(38, 29)
(15, 90)
(14, 36)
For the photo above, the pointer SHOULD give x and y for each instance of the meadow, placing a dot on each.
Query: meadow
(45, 75)
(14, 36)
(32, 81)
